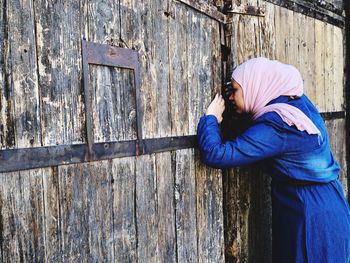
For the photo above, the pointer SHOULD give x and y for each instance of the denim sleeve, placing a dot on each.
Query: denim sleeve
(260, 141)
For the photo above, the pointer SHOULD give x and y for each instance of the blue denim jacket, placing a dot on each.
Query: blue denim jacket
(286, 151)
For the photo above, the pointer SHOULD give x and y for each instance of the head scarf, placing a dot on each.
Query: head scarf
(263, 80)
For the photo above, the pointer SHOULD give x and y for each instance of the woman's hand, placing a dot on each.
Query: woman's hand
(216, 107)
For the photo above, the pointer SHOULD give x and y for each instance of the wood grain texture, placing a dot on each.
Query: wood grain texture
(59, 64)
(338, 63)
(209, 213)
(22, 228)
(268, 33)
(154, 69)
(337, 136)
(114, 103)
(124, 210)
(86, 205)
(146, 209)
(20, 109)
(185, 206)
(178, 69)
(166, 207)
(52, 215)
(320, 65)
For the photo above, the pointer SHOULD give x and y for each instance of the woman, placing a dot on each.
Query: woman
(310, 214)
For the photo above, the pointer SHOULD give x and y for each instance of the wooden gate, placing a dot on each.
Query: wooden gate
(101, 166)
(143, 195)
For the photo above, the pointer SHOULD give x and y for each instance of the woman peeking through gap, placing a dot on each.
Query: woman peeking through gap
(310, 213)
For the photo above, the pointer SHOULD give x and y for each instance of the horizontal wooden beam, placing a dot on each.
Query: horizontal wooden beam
(313, 9)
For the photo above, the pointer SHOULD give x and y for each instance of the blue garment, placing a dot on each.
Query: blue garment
(310, 223)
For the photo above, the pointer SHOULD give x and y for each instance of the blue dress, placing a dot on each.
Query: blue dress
(310, 223)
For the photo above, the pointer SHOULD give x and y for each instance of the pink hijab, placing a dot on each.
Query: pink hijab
(263, 80)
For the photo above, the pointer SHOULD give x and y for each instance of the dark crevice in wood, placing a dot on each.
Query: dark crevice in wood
(41, 114)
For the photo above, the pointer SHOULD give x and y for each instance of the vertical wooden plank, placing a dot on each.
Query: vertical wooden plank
(193, 51)
(337, 136)
(307, 57)
(22, 231)
(267, 33)
(281, 38)
(338, 63)
(146, 209)
(178, 42)
(204, 70)
(165, 208)
(154, 69)
(86, 205)
(237, 189)
(124, 210)
(59, 65)
(291, 40)
(319, 66)
(185, 206)
(215, 64)
(52, 218)
(209, 213)
(329, 67)
(20, 88)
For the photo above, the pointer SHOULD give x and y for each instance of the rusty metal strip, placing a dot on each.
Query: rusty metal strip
(102, 54)
(40, 157)
(333, 115)
(105, 55)
(204, 8)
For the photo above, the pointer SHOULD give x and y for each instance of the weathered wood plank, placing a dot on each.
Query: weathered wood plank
(337, 136)
(146, 209)
(307, 57)
(209, 213)
(185, 205)
(155, 70)
(178, 42)
(22, 231)
(20, 85)
(114, 104)
(237, 196)
(319, 66)
(329, 68)
(338, 63)
(124, 210)
(52, 217)
(59, 64)
(194, 62)
(268, 33)
(86, 205)
(165, 207)
(281, 26)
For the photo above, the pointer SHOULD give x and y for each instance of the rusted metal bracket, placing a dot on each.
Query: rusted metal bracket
(206, 9)
(105, 55)
(247, 10)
